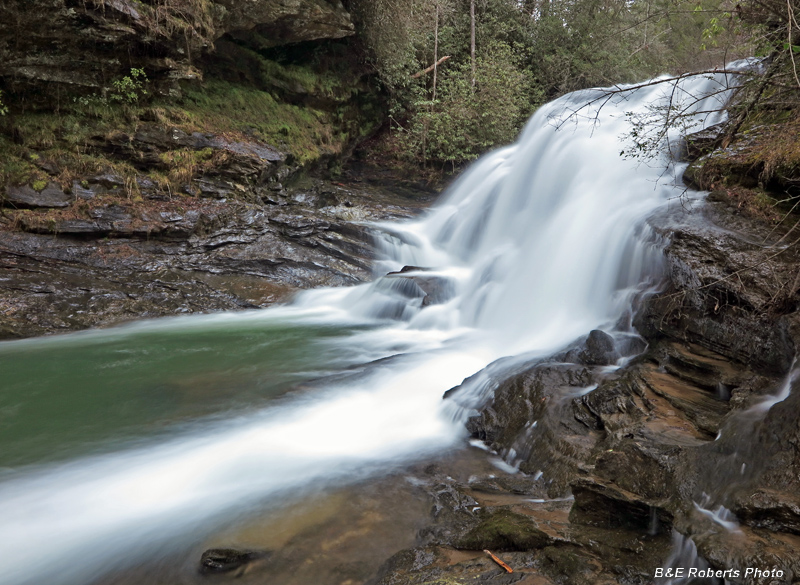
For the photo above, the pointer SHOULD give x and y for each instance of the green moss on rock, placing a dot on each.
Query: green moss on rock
(504, 530)
(320, 122)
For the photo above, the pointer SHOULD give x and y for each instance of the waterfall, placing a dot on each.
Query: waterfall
(536, 244)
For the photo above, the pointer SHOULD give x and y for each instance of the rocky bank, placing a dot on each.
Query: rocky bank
(669, 443)
(172, 179)
(685, 455)
(106, 260)
(157, 158)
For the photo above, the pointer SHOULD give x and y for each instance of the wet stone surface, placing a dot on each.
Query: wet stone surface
(103, 261)
(613, 462)
(591, 468)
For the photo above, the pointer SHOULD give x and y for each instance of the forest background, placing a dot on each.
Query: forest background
(495, 61)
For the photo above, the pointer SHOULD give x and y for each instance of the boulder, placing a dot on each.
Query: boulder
(600, 349)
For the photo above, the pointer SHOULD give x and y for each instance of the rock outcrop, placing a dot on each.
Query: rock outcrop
(107, 260)
(267, 23)
(175, 140)
(50, 51)
(690, 446)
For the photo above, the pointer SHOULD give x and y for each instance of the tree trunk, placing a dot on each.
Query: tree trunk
(435, 51)
(472, 39)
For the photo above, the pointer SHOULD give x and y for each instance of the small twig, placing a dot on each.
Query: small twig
(772, 231)
(498, 561)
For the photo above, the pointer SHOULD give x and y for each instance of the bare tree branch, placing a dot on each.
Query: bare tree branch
(431, 68)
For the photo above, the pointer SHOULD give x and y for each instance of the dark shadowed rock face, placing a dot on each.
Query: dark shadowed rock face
(63, 46)
(267, 23)
(603, 504)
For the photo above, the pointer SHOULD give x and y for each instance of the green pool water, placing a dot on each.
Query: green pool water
(71, 395)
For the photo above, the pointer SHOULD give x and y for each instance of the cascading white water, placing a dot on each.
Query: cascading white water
(536, 244)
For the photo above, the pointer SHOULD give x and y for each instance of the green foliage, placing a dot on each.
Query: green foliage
(3, 107)
(129, 89)
(296, 78)
(463, 122)
(220, 106)
(395, 31)
(528, 51)
(589, 51)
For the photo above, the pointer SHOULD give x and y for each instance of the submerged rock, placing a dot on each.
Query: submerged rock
(434, 289)
(225, 560)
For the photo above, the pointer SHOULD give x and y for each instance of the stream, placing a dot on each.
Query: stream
(124, 444)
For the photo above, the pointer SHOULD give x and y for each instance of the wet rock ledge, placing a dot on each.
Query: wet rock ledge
(600, 475)
(106, 259)
(621, 471)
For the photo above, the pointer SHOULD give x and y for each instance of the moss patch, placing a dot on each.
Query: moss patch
(759, 172)
(504, 530)
(223, 107)
(311, 113)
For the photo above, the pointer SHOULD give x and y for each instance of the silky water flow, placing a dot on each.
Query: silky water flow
(535, 245)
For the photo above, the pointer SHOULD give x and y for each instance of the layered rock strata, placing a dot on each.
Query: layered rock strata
(688, 447)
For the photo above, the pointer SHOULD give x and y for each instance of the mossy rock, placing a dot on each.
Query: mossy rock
(570, 563)
(504, 530)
